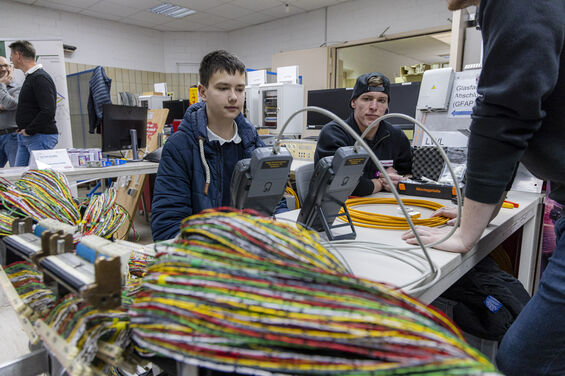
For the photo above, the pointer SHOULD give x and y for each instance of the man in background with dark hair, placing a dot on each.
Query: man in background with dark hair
(9, 92)
(35, 115)
(198, 160)
(369, 102)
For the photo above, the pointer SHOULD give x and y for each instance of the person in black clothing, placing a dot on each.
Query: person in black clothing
(369, 101)
(35, 114)
(518, 116)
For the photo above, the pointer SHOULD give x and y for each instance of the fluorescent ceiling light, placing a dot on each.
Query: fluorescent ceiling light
(171, 10)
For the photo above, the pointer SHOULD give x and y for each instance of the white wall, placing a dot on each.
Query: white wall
(361, 19)
(353, 20)
(183, 51)
(256, 45)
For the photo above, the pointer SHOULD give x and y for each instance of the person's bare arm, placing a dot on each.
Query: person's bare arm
(476, 216)
(451, 211)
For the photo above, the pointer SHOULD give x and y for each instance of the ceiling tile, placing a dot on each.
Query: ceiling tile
(281, 11)
(180, 25)
(151, 18)
(200, 4)
(76, 3)
(205, 18)
(229, 11)
(230, 25)
(26, 1)
(256, 18)
(256, 5)
(212, 15)
(105, 16)
(312, 4)
(112, 8)
(138, 4)
(53, 5)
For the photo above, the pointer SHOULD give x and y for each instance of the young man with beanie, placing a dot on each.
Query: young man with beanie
(198, 160)
(37, 104)
(369, 102)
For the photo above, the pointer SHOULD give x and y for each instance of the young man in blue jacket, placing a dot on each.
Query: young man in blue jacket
(198, 160)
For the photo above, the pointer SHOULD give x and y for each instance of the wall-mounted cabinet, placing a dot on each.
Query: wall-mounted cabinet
(269, 106)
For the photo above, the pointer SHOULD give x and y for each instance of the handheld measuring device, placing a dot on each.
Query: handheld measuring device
(334, 179)
(259, 182)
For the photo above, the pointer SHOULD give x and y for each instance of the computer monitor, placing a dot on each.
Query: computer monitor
(116, 124)
(403, 99)
(177, 108)
(334, 100)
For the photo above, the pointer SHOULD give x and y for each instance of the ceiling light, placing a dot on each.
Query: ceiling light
(171, 10)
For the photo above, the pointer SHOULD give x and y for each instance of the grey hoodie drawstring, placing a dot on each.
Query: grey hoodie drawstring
(206, 167)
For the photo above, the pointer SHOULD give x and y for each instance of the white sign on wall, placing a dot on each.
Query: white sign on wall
(463, 95)
(50, 54)
(257, 77)
(287, 74)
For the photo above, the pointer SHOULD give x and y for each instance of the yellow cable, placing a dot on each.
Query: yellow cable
(375, 220)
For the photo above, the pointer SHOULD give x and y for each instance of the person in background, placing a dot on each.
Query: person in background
(9, 92)
(369, 102)
(519, 115)
(198, 160)
(35, 115)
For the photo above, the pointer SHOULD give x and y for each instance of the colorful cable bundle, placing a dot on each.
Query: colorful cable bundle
(27, 281)
(42, 194)
(82, 325)
(6, 220)
(138, 264)
(247, 294)
(103, 216)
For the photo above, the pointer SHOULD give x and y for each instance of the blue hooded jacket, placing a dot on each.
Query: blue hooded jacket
(179, 189)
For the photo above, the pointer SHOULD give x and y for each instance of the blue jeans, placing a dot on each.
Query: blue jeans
(8, 149)
(38, 141)
(535, 343)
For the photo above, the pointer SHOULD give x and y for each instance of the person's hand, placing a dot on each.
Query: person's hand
(448, 212)
(393, 175)
(429, 235)
(8, 76)
(23, 132)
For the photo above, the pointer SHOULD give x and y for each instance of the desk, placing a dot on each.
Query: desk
(452, 265)
(84, 173)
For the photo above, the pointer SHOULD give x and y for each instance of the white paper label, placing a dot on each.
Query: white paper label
(452, 139)
(55, 159)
